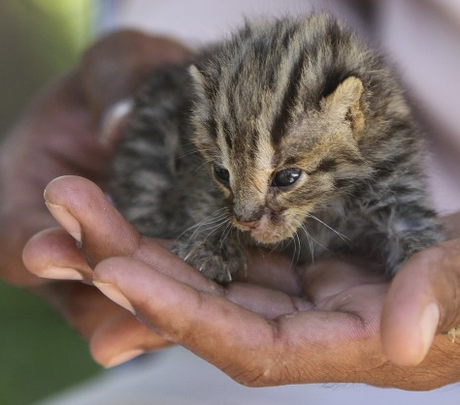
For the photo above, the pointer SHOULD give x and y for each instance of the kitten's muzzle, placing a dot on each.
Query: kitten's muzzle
(247, 219)
(262, 230)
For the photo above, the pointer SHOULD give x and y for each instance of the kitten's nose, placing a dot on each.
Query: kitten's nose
(247, 217)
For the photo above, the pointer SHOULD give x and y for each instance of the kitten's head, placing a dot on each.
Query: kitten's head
(279, 116)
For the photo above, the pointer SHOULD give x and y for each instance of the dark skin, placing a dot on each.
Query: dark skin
(336, 321)
(59, 134)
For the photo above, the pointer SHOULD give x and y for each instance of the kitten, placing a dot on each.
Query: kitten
(291, 134)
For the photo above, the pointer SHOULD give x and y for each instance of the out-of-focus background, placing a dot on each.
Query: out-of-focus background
(39, 352)
(41, 39)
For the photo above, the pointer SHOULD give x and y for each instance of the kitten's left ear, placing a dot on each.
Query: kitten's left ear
(345, 100)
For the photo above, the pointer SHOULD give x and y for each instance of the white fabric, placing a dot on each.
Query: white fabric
(177, 377)
(198, 22)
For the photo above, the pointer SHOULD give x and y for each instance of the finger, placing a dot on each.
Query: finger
(243, 344)
(115, 335)
(12, 239)
(54, 254)
(84, 211)
(83, 306)
(114, 122)
(121, 338)
(423, 299)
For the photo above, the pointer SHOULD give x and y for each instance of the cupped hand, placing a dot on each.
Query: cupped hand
(274, 326)
(60, 134)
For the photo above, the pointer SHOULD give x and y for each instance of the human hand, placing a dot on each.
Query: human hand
(58, 135)
(277, 326)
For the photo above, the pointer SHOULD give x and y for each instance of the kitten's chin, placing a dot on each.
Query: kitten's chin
(269, 236)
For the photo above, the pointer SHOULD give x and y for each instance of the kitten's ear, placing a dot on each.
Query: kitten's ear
(345, 100)
(200, 114)
(197, 79)
(199, 87)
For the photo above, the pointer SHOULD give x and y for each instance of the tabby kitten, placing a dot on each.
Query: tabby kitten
(291, 134)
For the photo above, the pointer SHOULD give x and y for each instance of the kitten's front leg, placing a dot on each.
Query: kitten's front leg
(217, 257)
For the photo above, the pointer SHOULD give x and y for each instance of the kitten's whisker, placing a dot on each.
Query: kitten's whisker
(311, 241)
(212, 219)
(339, 234)
(217, 211)
(238, 236)
(228, 229)
(187, 154)
(215, 229)
(293, 239)
(297, 249)
(200, 225)
(274, 247)
(211, 230)
(201, 166)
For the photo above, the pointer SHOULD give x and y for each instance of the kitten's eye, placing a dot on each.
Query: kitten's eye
(286, 178)
(222, 174)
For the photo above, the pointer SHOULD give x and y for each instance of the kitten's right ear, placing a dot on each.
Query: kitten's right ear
(199, 87)
(200, 114)
(197, 79)
(201, 108)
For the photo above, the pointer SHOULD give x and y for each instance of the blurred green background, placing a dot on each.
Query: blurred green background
(39, 353)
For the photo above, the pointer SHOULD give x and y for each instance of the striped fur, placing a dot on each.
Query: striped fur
(211, 144)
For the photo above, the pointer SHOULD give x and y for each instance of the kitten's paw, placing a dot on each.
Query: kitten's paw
(220, 265)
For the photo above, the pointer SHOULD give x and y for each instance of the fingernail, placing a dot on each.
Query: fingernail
(123, 358)
(428, 327)
(61, 273)
(66, 219)
(113, 293)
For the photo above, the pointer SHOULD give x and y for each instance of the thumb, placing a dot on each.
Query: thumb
(424, 299)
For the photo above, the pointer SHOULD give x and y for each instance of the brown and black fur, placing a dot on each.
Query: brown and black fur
(293, 134)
